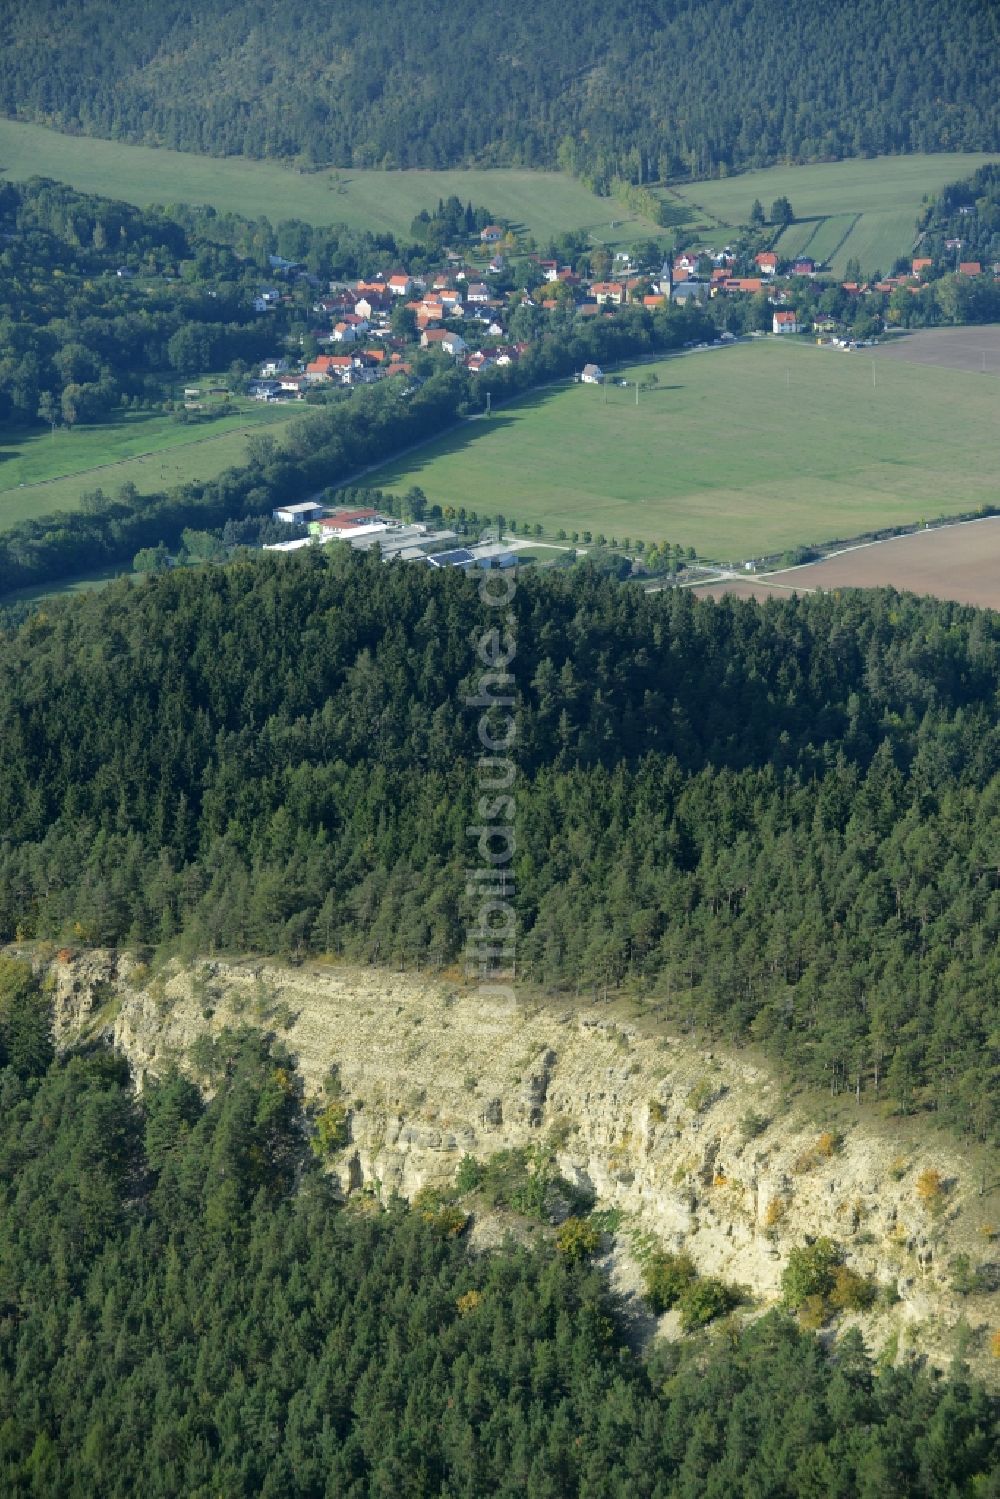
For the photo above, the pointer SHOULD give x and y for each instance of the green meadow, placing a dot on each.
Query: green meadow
(737, 452)
(41, 472)
(881, 194)
(544, 203)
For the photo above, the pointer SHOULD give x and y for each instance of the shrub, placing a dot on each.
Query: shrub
(930, 1189)
(332, 1130)
(852, 1292)
(995, 1345)
(702, 1300)
(968, 1279)
(664, 1278)
(469, 1302)
(753, 1124)
(577, 1239)
(775, 1211)
(448, 1221)
(469, 1175)
(828, 1144)
(657, 1113)
(436, 1210)
(811, 1271)
(701, 1095)
(813, 1313)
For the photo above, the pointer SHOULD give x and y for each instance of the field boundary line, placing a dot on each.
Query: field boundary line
(879, 541)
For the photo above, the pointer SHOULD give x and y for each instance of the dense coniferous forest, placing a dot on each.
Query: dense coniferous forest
(781, 820)
(185, 1309)
(642, 89)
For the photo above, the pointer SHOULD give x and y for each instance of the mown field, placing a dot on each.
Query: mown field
(738, 452)
(41, 473)
(545, 203)
(882, 195)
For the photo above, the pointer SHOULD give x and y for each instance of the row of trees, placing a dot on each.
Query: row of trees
(184, 1308)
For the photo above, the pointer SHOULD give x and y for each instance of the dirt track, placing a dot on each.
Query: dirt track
(960, 562)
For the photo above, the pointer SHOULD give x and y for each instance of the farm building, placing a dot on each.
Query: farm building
(460, 557)
(493, 556)
(300, 514)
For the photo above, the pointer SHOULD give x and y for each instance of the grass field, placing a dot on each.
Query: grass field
(739, 452)
(884, 193)
(40, 473)
(545, 203)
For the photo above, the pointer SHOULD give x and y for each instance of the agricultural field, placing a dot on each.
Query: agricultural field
(973, 349)
(960, 562)
(544, 203)
(882, 195)
(739, 452)
(41, 472)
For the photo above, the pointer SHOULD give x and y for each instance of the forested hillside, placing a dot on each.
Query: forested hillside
(186, 1309)
(642, 89)
(782, 820)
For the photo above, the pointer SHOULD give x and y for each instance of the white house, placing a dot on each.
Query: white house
(785, 322)
(592, 374)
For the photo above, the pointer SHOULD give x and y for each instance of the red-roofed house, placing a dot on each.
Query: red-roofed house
(766, 262)
(970, 268)
(608, 291)
(400, 285)
(329, 367)
(920, 263)
(785, 322)
(491, 234)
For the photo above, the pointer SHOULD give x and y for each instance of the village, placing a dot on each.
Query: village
(489, 301)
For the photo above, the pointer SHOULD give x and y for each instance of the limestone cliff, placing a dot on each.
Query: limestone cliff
(698, 1148)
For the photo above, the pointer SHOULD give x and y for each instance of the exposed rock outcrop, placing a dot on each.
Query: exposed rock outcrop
(698, 1149)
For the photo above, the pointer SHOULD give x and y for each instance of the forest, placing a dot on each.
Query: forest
(187, 1308)
(641, 90)
(779, 822)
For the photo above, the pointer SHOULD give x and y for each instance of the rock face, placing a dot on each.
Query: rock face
(695, 1148)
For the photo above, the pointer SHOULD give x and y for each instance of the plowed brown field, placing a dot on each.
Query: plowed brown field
(960, 562)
